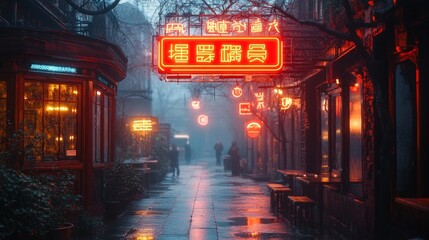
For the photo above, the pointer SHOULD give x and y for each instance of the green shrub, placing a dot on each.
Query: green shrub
(25, 207)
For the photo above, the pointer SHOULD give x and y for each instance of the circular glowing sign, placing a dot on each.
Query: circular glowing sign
(237, 92)
(253, 129)
(203, 120)
(195, 104)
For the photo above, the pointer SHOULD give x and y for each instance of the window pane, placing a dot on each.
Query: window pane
(33, 113)
(52, 92)
(46, 112)
(324, 127)
(355, 124)
(338, 133)
(97, 126)
(68, 93)
(106, 125)
(68, 120)
(51, 130)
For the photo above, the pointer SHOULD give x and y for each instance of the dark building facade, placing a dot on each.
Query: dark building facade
(59, 86)
(368, 129)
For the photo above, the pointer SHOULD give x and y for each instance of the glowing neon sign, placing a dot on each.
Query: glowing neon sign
(195, 104)
(237, 92)
(144, 124)
(260, 100)
(223, 26)
(203, 120)
(205, 55)
(244, 108)
(286, 103)
(253, 129)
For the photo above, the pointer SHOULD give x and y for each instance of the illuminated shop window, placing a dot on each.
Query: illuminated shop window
(50, 110)
(355, 124)
(324, 127)
(101, 125)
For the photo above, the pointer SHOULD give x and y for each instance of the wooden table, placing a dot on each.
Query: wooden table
(289, 174)
(319, 181)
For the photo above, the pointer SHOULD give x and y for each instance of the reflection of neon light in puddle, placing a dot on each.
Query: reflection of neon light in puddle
(203, 120)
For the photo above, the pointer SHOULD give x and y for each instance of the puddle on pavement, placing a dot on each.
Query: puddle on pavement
(151, 212)
(246, 221)
(259, 235)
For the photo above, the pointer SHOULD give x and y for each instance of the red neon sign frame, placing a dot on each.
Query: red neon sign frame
(217, 55)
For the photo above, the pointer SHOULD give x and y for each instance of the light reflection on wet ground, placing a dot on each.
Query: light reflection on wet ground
(203, 203)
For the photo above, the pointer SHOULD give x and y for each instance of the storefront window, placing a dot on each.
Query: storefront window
(324, 123)
(3, 97)
(101, 127)
(355, 125)
(106, 128)
(50, 110)
(97, 127)
(338, 150)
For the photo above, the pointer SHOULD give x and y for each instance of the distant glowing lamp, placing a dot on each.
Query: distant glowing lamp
(286, 103)
(195, 104)
(253, 129)
(337, 81)
(237, 92)
(203, 120)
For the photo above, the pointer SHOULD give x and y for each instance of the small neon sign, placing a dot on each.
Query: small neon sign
(253, 129)
(144, 125)
(286, 103)
(223, 26)
(237, 92)
(260, 100)
(205, 55)
(52, 68)
(195, 104)
(203, 120)
(244, 108)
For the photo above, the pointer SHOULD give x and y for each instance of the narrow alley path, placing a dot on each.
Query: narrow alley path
(204, 202)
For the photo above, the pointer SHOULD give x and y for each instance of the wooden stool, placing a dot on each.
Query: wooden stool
(301, 211)
(271, 187)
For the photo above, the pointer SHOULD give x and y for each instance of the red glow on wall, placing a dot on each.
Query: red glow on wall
(211, 55)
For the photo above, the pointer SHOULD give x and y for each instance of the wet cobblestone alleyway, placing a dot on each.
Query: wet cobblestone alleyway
(204, 202)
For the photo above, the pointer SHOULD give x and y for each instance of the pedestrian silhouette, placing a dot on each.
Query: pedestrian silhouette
(234, 152)
(174, 159)
(218, 147)
(188, 153)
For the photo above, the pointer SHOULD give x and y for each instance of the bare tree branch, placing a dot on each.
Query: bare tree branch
(319, 25)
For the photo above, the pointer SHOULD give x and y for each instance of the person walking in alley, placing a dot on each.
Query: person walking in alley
(188, 153)
(174, 159)
(234, 152)
(218, 147)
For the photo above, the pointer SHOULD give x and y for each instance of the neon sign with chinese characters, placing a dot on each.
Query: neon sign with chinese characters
(211, 55)
(244, 108)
